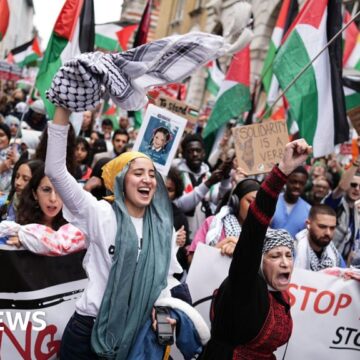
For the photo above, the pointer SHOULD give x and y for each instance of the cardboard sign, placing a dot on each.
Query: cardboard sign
(186, 111)
(354, 116)
(260, 146)
(159, 136)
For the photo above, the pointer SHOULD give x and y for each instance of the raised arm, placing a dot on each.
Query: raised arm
(248, 252)
(80, 203)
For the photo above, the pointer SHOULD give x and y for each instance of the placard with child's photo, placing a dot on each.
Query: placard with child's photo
(159, 136)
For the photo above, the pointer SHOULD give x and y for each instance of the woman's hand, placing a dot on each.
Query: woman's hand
(237, 175)
(227, 245)
(295, 153)
(170, 320)
(61, 116)
(14, 241)
(181, 237)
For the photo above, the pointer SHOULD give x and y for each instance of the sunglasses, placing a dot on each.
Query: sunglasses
(355, 185)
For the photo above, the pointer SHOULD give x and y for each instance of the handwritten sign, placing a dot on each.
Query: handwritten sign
(260, 146)
(180, 108)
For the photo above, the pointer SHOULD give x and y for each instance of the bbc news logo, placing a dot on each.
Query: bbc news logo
(20, 320)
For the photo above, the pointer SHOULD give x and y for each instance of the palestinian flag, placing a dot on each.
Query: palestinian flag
(4, 17)
(234, 95)
(27, 53)
(351, 56)
(215, 78)
(287, 14)
(73, 34)
(316, 100)
(113, 36)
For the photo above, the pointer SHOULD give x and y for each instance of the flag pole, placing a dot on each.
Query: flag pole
(308, 65)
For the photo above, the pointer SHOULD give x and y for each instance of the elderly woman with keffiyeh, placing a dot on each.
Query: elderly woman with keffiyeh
(251, 308)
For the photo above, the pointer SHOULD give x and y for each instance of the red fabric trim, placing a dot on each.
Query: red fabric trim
(260, 216)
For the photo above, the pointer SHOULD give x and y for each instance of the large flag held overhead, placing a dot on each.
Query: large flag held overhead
(73, 34)
(234, 95)
(316, 99)
(27, 53)
(289, 10)
(113, 36)
(4, 17)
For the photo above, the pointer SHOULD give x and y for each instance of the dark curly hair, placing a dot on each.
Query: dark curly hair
(29, 211)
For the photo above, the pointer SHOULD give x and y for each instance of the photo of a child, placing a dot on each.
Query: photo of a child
(158, 140)
(159, 136)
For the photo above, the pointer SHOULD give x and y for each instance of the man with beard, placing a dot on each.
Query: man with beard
(314, 247)
(291, 210)
(342, 200)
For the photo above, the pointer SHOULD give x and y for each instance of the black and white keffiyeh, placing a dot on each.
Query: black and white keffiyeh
(306, 258)
(278, 237)
(223, 220)
(329, 258)
(82, 81)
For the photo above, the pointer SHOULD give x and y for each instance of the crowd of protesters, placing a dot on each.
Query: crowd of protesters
(318, 207)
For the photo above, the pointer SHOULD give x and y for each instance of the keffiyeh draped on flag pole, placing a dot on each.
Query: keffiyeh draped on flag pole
(73, 34)
(316, 99)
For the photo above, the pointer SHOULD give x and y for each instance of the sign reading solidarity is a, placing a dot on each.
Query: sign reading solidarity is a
(260, 146)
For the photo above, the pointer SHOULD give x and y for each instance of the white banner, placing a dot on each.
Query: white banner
(32, 323)
(325, 309)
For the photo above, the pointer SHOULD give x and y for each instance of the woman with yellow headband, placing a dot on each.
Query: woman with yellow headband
(129, 248)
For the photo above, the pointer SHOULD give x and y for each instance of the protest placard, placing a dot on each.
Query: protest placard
(159, 136)
(180, 108)
(325, 309)
(260, 146)
(37, 301)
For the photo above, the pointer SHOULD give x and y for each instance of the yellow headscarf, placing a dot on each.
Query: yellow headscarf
(114, 167)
